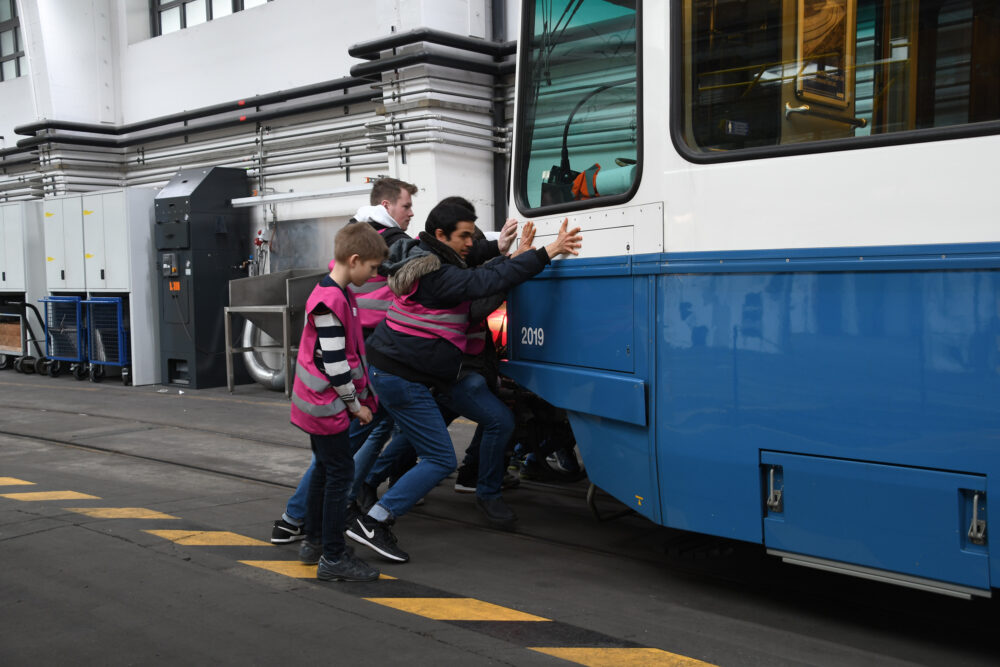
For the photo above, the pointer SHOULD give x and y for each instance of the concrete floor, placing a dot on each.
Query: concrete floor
(105, 591)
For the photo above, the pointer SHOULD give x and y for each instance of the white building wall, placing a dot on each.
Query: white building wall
(283, 44)
(94, 61)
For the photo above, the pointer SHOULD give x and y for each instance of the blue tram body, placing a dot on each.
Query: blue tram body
(784, 326)
(870, 387)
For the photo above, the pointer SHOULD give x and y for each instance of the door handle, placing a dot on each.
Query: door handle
(805, 109)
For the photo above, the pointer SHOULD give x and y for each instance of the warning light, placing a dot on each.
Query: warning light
(497, 322)
(241, 103)
(242, 118)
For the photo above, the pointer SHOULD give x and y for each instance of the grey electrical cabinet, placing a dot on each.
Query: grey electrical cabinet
(201, 243)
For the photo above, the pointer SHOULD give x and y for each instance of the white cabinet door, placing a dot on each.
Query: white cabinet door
(55, 244)
(76, 277)
(106, 242)
(12, 253)
(64, 244)
(116, 256)
(93, 246)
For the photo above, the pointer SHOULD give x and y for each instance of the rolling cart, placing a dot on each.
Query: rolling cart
(65, 335)
(16, 334)
(108, 338)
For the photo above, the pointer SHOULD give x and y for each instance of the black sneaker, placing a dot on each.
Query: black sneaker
(286, 533)
(348, 568)
(510, 481)
(310, 552)
(465, 480)
(466, 485)
(497, 512)
(462, 486)
(377, 536)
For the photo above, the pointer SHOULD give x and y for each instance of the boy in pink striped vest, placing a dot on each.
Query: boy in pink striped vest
(331, 389)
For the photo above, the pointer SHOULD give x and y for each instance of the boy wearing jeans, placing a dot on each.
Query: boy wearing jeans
(331, 388)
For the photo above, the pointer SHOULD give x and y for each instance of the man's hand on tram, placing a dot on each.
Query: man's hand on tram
(566, 242)
(527, 238)
(507, 235)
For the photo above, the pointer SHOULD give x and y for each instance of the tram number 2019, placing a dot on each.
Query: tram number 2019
(532, 336)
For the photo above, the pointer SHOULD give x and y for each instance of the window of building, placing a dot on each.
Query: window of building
(173, 15)
(12, 61)
(768, 73)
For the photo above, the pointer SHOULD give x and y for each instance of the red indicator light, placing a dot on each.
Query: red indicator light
(242, 118)
(242, 103)
(497, 322)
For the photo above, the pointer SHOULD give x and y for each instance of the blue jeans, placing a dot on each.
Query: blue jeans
(472, 398)
(418, 417)
(382, 426)
(296, 509)
(333, 470)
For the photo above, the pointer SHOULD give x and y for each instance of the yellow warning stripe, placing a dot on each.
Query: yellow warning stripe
(121, 513)
(455, 609)
(291, 568)
(622, 657)
(207, 538)
(13, 481)
(49, 495)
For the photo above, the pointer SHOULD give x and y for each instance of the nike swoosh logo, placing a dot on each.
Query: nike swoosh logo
(368, 533)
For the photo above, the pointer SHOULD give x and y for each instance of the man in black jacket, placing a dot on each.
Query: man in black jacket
(419, 347)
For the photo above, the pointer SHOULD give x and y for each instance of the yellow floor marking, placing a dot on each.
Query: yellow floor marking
(13, 481)
(291, 568)
(622, 657)
(207, 538)
(49, 495)
(121, 513)
(455, 609)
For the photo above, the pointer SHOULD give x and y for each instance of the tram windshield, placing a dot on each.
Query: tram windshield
(772, 72)
(579, 127)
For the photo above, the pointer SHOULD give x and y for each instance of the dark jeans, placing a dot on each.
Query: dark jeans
(472, 398)
(329, 485)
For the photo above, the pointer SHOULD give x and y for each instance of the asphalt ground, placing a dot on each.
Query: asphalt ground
(151, 547)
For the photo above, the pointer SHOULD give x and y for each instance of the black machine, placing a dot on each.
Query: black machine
(201, 241)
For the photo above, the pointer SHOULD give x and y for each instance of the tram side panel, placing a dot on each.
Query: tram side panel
(871, 394)
(580, 337)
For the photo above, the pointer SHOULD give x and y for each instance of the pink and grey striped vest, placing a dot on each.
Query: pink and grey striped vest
(407, 316)
(475, 338)
(373, 297)
(316, 407)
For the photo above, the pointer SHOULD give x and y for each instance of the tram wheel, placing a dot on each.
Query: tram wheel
(43, 366)
(79, 371)
(55, 368)
(5, 362)
(96, 372)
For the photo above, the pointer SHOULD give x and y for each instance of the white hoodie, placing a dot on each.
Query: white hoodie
(375, 214)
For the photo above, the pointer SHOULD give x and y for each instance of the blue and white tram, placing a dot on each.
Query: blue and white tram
(784, 326)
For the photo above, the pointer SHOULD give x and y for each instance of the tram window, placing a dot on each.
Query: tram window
(760, 73)
(578, 125)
